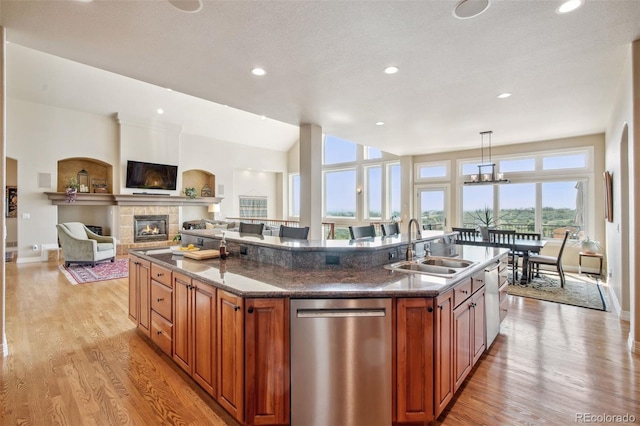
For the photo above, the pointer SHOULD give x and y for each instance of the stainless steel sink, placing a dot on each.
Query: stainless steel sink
(432, 265)
(446, 262)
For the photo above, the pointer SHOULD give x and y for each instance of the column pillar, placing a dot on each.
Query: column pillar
(311, 179)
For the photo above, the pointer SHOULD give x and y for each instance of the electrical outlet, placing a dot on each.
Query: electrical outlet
(35, 247)
(392, 255)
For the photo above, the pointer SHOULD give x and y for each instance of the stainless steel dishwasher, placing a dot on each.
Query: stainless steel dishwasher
(492, 302)
(340, 362)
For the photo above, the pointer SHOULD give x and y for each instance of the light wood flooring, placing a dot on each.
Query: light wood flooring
(75, 359)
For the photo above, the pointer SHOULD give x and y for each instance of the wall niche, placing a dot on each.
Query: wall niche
(198, 179)
(100, 173)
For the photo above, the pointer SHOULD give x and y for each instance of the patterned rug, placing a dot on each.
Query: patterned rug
(580, 291)
(80, 274)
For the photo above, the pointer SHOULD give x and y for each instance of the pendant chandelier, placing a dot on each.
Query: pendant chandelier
(486, 170)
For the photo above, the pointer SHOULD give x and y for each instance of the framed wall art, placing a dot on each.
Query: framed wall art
(11, 201)
(608, 196)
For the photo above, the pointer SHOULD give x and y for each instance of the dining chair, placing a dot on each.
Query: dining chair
(390, 229)
(537, 260)
(366, 231)
(251, 228)
(466, 234)
(506, 238)
(294, 232)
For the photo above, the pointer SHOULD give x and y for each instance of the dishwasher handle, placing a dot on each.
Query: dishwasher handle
(340, 313)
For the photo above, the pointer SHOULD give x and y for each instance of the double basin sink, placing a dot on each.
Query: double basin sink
(432, 265)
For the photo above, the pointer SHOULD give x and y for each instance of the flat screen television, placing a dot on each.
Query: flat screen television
(151, 176)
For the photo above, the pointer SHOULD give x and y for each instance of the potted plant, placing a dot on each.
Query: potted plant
(590, 246)
(190, 192)
(485, 220)
(71, 190)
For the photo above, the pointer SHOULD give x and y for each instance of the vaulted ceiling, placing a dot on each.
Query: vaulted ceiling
(324, 63)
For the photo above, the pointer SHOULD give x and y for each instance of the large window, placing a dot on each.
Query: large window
(394, 191)
(294, 195)
(373, 185)
(338, 151)
(340, 193)
(548, 193)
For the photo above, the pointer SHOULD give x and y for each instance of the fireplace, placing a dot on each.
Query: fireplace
(150, 228)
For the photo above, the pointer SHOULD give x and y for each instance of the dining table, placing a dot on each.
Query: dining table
(523, 247)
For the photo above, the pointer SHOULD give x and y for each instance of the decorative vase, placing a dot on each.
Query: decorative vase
(71, 194)
(484, 232)
(590, 246)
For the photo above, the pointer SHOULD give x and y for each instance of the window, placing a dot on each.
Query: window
(374, 192)
(517, 207)
(563, 208)
(432, 171)
(340, 193)
(372, 153)
(338, 150)
(251, 207)
(569, 161)
(517, 165)
(294, 195)
(474, 200)
(394, 190)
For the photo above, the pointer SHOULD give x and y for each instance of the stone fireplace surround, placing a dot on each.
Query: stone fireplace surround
(127, 231)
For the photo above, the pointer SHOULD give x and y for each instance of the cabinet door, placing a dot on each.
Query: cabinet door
(478, 323)
(134, 290)
(230, 371)
(414, 360)
(181, 321)
(204, 335)
(462, 343)
(144, 278)
(443, 352)
(267, 361)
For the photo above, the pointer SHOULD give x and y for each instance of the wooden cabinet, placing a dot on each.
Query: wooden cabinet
(140, 293)
(230, 365)
(162, 309)
(414, 360)
(469, 331)
(443, 343)
(267, 361)
(194, 329)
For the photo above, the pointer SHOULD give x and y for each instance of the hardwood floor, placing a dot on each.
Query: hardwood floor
(76, 359)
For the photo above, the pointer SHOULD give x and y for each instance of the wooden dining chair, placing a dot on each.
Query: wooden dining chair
(506, 238)
(390, 229)
(466, 234)
(536, 260)
(367, 231)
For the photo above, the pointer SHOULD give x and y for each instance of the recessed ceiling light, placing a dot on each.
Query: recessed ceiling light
(189, 6)
(258, 71)
(160, 111)
(504, 95)
(569, 6)
(470, 8)
(391, 70)
(380, 123)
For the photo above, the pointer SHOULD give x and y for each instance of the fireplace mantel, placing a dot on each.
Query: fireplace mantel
(91, 199)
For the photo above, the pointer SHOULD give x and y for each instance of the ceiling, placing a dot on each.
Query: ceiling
(324, 63)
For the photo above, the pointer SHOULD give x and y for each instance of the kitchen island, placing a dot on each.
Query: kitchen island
(227, 323)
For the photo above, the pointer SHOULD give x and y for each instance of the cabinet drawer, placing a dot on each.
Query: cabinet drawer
(502, 291)
(161, 300)
(160, 274)
(461, 292)
(161, 332)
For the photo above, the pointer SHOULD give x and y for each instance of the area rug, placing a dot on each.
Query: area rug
(81, 274)
(578, 291)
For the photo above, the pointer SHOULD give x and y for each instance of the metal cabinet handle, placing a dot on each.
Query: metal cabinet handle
(160, 299)
(160, 274)
(250, 310)
(236, 308)
(430, 309)
(440, 307)
(159, 333)
(464, 291)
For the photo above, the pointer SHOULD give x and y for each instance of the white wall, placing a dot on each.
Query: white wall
(617, 249)
(256, 184)
(37, 137)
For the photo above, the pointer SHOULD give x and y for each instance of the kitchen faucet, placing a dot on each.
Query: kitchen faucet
(410, 246)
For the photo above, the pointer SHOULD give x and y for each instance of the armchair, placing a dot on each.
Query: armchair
(80, 245)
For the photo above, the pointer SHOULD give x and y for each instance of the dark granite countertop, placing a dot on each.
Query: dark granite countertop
(364, 244)
(249, 278)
